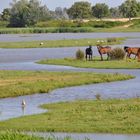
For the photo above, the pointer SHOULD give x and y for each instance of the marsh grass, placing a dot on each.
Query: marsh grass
(16, 83)
(7, 135)
(56, 43)
(102, 116)
(15, 135)
(96, 63)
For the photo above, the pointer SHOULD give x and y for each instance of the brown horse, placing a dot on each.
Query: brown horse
(138, 55)
(104, 50)
(131, 50)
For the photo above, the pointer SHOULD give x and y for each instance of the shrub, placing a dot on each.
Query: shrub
(79, 54)
(117, 54)
(98, 97)
(113, 39)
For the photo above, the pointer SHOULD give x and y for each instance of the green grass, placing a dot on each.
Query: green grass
(102, 116)
(96, 63)
(17, 136)
(57, 43)
(17, 83)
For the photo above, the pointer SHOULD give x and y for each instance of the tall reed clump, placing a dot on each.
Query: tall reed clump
(79, 54)
(117, 54)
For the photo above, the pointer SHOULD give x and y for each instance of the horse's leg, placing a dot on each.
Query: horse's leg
(135, 56)
(128, 55)
(89, 57)
(101, 57)
(107, 56)
(86, 57)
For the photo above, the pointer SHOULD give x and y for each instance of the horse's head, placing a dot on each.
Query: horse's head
(126, 48)
(99, 46)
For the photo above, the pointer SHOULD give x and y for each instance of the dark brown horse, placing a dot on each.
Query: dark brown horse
(131, 50)
(138, 55)
(89, 52)
(104, 50)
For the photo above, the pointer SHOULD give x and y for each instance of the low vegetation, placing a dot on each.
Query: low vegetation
(57, 43)
(103, 116)
(95, 63)
(16, 83)
(17, 136)
(79, 54)
(117, 54)
(11, 135)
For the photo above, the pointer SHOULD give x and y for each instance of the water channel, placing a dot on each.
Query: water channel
(24, 59)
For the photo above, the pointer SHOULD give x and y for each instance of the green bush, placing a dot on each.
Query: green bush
(80, 55)
(110, 40)
(117, 54)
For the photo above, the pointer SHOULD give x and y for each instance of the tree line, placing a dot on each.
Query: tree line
(24, 13)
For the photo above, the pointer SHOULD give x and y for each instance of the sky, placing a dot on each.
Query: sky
(52, 4)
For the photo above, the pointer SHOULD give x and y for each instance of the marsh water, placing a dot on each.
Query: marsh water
(24, 59)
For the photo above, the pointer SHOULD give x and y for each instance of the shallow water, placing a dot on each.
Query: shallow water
(11, 107)
(23, 59)
(89, 136)
(60, 36)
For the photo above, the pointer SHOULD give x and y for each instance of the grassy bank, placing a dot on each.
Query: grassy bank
(96, 63)
(9, 135)
(66, 30)
(16, 83)
(17, 136)
(59, 43)
(103, 116)
(62, 26)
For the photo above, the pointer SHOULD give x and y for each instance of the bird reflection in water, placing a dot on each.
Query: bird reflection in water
(23, 106)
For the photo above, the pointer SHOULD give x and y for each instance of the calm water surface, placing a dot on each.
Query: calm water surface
(60, 36)
(23, 59)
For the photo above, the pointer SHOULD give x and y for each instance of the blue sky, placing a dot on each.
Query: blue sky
(52, 4)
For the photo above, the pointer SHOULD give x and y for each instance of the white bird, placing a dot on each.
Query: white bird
(41, 43)
(23, 103)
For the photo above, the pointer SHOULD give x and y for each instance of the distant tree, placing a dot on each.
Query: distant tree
(100, 10)
(130, 8)
(27, 13)
(6, 14)
(115, 12)
(44, 13)
(61, 13)
(80, 10)
(20, 13)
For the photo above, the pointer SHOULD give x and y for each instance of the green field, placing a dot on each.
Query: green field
(96, 63)
(102, 116)
(18, 136)
(17, 83)
(59, 43)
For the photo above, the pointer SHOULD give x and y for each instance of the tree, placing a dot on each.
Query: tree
(130, 8)
(61, 13)
(100, 10)
(19, 14)
(115, 12)
(6, 14)
(27, 13)
(80, 10)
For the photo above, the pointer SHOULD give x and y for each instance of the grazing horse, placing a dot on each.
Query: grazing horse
(104, 50)
(89, 52)
(131, 50)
